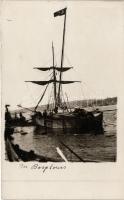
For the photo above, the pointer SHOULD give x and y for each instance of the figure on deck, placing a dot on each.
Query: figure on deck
(45, 118)
(45, 114)
(16, 116)
(56, 109)
(51, 113)
(8, 117)
(22, 118)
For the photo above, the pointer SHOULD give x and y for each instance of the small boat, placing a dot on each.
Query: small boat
(10, 153)
(60, 116)
(15, 154)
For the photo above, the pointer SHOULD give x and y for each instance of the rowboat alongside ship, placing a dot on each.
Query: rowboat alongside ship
(15, 154)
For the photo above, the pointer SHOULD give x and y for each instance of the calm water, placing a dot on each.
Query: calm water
(89, 146)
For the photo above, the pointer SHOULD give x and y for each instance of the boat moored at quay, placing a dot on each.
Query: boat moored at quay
(60, 116)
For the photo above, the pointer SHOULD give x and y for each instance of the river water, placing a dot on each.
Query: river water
(90, 146)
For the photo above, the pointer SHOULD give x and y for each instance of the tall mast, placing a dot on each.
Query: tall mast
(62, 56)
(54, 68)
(54, 76)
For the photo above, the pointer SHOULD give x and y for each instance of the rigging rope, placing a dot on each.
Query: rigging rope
(49, 98)
(41, 97)
(64, 101)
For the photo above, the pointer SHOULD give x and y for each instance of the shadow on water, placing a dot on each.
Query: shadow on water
(45, 131)
(77, 147)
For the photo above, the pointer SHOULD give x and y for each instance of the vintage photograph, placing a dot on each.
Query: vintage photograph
(60, 66)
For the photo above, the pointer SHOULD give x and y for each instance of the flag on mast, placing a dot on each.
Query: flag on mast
(60, 12)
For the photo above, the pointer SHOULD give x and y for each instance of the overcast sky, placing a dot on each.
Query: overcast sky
(94, 46)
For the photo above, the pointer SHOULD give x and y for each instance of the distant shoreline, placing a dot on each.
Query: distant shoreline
(78, 103)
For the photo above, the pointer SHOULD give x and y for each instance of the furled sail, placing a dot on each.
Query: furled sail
(64, 69)
(67, 82)
(42, 68)
(40, 82)
(51, 81)
(56, 68)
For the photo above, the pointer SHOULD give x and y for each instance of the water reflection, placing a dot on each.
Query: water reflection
(88, 146)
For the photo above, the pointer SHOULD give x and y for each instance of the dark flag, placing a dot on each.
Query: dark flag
(60, 12)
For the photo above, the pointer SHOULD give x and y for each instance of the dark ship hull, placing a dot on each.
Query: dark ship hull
(71, 121)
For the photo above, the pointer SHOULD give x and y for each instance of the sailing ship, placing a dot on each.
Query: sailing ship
(60, 116)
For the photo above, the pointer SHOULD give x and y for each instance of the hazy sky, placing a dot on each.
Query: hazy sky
(94, 46)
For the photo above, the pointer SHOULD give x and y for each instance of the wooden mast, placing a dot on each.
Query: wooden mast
(54, 75)
(62, 57)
